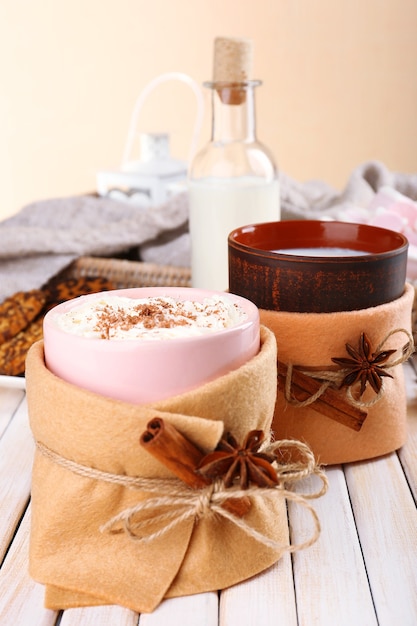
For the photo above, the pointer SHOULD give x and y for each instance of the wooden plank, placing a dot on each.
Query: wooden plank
(13, 382)
(16, 457)
(21, 599)
(198, 610)
(386, 518)
(330, 578)
(9, 401)
(266, 599)
(99, 616)
(408, 453)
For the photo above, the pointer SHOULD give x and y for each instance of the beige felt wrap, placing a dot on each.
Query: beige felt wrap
(79, 564)
(312, 339)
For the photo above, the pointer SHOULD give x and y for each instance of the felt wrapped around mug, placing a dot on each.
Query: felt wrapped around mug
(82, 565)
(308, 342)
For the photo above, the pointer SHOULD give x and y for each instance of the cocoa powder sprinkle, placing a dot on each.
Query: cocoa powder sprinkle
(150, 316)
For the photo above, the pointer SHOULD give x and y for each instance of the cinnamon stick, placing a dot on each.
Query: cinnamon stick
(182, 457)
(330, 403)
(175, 451)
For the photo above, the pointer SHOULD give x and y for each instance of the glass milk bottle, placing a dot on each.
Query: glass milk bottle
(233, 181)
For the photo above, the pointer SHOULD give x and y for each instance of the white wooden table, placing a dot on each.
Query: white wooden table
(361, 572)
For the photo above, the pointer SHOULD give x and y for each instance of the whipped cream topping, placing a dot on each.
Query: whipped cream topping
(116, 317)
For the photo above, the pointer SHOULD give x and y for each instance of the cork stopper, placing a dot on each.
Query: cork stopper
(232, 60)
(232, 65)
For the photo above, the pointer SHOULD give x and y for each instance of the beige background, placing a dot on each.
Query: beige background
(339, 84)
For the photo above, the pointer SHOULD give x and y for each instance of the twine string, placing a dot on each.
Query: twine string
(332, 378)
(196, 505)
(176, 503)
(327, 378)
(292, 472)
(407, 349)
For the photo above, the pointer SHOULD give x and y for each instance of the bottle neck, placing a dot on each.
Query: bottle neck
(233, 112)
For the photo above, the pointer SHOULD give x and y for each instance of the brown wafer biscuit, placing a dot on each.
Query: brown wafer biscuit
(28, 310)
(17, 311)
(13, 352)
(60, 290)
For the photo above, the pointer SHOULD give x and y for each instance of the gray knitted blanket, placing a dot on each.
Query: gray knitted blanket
(46, 236)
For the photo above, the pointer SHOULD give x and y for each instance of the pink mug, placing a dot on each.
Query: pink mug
(146, 370)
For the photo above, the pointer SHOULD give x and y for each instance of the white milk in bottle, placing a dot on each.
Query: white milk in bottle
(233, 181)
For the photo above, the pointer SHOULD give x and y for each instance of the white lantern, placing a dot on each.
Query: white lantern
(155, 176)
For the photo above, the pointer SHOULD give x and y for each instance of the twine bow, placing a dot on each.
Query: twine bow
(182, 503)
(330, 378)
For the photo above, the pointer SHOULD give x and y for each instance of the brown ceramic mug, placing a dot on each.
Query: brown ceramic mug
(317, 266)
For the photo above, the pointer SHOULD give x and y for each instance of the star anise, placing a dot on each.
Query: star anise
(243, 463)
(365, 366)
